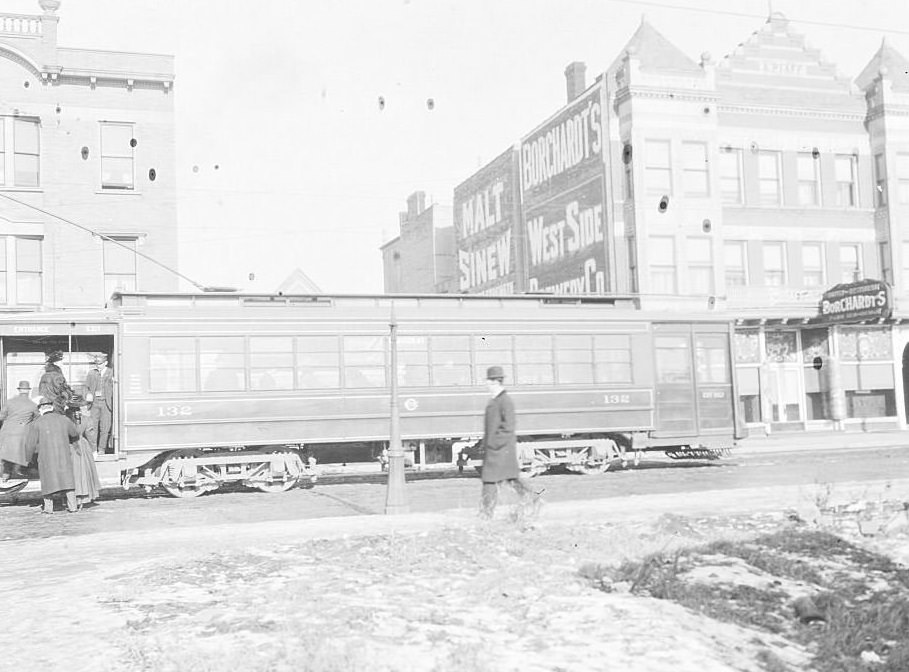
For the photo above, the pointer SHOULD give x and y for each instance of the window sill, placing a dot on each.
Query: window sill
(118, 192)
(27, 190)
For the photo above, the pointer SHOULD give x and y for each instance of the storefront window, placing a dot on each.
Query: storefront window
(815, 343)
(747, 347)
(863, 344)
(781, 346)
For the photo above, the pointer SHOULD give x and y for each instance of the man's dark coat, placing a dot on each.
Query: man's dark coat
(500, 459)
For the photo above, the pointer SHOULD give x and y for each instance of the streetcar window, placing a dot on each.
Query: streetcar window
(364, 361)
(612, 358)
(711, 356)
(574, 358)
(222, 363)
(450, 359)
(413, 361)
(673, 359)
(490, 351)
(271, 363)
(534, 354)
(172, 364)
(318, 362)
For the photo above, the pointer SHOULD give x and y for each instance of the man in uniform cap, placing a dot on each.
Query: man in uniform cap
(15, 416)
(99, 393)
(500, 446)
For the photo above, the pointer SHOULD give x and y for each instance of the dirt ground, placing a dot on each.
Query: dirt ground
(423, 592)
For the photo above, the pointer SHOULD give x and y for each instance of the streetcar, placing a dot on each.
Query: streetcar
(219, 387)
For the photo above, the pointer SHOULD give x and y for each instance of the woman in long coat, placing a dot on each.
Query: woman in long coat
(85, 473)
(50, 436)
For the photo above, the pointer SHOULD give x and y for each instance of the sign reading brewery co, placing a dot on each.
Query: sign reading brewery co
(857, 301)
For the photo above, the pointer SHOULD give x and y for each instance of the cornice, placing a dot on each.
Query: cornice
(791, 112)
(887, 109)
(656, 93)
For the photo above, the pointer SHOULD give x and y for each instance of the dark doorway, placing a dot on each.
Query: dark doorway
(906, 381)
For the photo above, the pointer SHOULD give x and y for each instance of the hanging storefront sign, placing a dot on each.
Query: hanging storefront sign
(856, 302)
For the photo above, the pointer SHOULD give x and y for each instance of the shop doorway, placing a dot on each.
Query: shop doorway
(785, 395)
(906, 381)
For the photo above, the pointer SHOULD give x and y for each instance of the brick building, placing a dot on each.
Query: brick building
(421, 259)
(87, 136)
(749, 186)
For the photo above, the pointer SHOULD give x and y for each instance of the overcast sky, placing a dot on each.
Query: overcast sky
(282, 95)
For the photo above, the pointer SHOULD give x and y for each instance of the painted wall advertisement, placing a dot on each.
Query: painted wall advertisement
(484, 216)
(562, 177)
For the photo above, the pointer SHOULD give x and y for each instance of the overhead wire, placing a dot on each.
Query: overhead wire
(104, 237)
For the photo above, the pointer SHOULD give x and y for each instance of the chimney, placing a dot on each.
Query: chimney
(416, 203)
(575, 79)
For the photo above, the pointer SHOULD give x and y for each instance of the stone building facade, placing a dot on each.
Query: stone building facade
(87, 147)
(748, 186)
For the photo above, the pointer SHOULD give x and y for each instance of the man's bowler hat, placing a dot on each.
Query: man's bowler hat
(495, 373)
(24, 385)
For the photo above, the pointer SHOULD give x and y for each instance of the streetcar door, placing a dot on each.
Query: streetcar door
(674, 381)
(713, 376)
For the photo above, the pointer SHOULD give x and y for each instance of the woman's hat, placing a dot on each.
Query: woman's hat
(54, 356)
(495, 373)
(24, 385)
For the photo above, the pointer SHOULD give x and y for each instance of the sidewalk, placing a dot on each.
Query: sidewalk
(826, 440)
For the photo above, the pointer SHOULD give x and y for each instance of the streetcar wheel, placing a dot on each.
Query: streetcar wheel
(279, 486)
(177, 491)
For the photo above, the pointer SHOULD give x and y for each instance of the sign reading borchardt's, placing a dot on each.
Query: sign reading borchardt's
(856, 301)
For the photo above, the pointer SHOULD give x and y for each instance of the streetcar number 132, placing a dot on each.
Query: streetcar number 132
(174, 411)
(617, 398)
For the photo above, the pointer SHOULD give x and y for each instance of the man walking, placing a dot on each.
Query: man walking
(99, 393)
(15, 416)
(500, 445)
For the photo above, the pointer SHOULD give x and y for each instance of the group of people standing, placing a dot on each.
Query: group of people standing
(51, 429)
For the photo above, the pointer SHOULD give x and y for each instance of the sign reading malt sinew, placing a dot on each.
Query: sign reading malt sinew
(484, 216)
(857, 301)
(563, 200)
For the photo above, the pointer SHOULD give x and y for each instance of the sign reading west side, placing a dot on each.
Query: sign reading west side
(563, 200)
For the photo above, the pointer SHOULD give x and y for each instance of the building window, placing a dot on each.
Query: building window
(24, 168)
(813, 264)
(116, 156)
(700, 265)
(774, 255)
(28, 271)
(629, 180)
(809, 180)
(886, 267)
(4, 295)
(695, 176)
(2, 151)
(905, 266)
(119, 265)
(662, 265)
(657, 167)
(880, 181)
(769, 178)
(850, 263)
(734, 260)
(902, 178)
(731, 176)
(845, 180)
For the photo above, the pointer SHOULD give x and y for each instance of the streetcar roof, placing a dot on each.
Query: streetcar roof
(122, 305)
